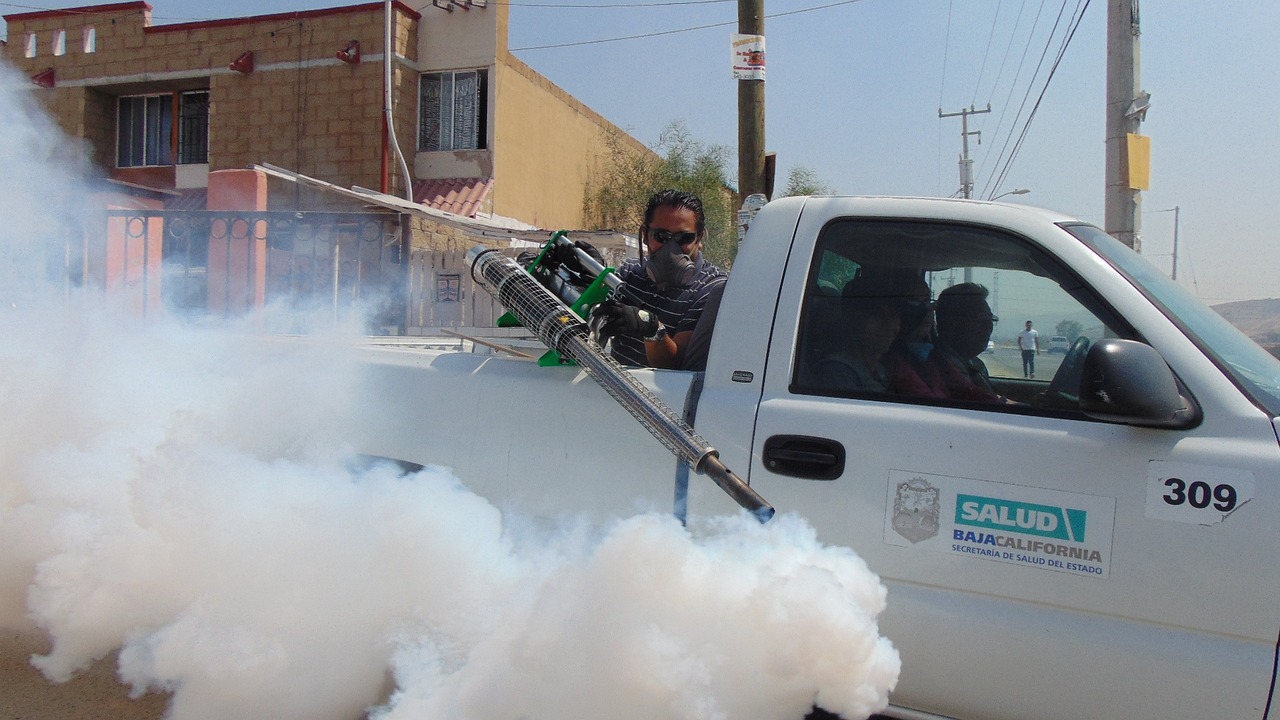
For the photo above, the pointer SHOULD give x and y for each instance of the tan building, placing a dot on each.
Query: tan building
(161, 106)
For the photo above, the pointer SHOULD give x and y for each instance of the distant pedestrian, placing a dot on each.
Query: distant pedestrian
(1029, 344)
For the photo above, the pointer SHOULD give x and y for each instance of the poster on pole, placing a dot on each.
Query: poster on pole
(748, 57)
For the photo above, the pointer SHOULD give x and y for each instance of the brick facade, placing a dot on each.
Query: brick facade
(300, 107)
(279, 93)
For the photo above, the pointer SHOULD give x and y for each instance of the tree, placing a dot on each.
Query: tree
(805, 181)
(619, 189)
(1070, 329)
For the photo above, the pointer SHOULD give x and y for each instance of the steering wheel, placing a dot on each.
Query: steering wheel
(1064, 389)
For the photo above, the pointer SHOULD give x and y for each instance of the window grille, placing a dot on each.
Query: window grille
(453, 111)
(193, 128)
(145, 129)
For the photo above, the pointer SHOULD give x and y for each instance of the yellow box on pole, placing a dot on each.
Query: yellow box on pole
(1139, 147)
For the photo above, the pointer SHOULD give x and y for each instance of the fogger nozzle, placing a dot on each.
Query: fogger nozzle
(563, 331)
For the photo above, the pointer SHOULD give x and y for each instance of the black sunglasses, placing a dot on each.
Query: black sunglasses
(665, 236)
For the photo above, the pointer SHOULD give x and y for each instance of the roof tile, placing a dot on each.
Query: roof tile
(460, 196)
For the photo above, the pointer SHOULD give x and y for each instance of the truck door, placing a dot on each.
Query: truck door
(1039, 563)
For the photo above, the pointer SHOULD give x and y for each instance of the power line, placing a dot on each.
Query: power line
(946, 50)
(1048, 79)
(1004, 60)
(681, 30)
(997, 174)
(983, 67)
(1013, 84)
(613, 5)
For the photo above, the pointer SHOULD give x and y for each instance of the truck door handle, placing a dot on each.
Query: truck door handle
(804, 456)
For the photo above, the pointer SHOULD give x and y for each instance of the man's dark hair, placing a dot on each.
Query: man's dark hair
(958, 301)
(676, 199)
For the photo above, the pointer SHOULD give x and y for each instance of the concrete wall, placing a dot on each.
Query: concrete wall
(542, 142)
(461, 38)
(548, 142)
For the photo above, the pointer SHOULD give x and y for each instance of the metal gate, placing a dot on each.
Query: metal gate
(217, 263)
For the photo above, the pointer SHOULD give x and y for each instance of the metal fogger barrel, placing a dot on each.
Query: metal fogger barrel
(563, 331)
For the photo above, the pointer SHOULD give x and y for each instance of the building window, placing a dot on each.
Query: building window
(31, 45)
(193, 128)
(90, 40)
(453, 111)
(144, 131)
(145, 134)
(60, 42)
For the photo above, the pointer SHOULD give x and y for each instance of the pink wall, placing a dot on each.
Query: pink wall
(237, 252)
(128, 265)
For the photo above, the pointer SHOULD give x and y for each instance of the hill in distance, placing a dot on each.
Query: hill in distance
(1259, 319)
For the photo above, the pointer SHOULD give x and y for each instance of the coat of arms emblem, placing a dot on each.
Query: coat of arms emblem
(915, 510)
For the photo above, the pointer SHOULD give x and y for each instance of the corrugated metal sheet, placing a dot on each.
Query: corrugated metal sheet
(460, 196)
(188, 199)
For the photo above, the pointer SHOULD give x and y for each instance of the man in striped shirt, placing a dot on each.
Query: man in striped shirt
(651, 322)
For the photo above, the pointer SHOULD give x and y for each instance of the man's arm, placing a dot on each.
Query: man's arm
(672, 351)
(665, 351)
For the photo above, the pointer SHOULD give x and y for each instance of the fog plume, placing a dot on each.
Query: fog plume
(180, 494)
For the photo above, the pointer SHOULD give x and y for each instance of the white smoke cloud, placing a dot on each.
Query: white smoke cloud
(177, 494)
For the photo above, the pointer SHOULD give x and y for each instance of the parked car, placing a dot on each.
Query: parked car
(1059, 344)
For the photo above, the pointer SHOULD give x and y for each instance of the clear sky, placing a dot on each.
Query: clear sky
(854, 89)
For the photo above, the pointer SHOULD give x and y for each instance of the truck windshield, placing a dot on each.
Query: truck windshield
(1253, 369)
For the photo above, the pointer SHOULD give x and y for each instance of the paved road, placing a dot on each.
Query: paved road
(1007, 362)
(95, 694)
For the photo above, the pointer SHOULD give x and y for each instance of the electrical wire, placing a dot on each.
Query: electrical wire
(1000, 171)
(613, 5)
(1004, 59)
(982, 69)
(681, 30)
(1062, 51)
(946, 50)
(1013, 85)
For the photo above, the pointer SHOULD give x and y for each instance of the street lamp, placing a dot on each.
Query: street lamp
(1019, 191)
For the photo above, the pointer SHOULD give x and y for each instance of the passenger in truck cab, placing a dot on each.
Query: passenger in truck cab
(870, 318)
(666, 292)
(965, 323)
(908, 357)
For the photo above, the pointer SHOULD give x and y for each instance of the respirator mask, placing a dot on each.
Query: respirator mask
(671, 266)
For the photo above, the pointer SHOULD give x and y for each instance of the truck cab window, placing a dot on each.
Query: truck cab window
(913, 311)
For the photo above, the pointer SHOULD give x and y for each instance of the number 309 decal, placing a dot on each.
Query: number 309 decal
(1200, 494)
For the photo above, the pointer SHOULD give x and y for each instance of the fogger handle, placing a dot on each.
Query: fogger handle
(594, 269)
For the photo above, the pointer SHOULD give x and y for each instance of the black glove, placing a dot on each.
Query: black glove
(563, 254)
(611, 318)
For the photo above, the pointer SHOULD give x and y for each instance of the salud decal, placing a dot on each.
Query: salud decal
(1059, 523)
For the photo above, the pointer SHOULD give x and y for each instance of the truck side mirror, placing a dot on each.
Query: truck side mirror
(1127, 381)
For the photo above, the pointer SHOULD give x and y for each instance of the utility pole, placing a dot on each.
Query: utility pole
(1126, 108)
(966, 164)
(1174, 275)
(751, 162)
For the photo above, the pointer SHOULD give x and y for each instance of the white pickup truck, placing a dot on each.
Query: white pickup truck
(1104, 545)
